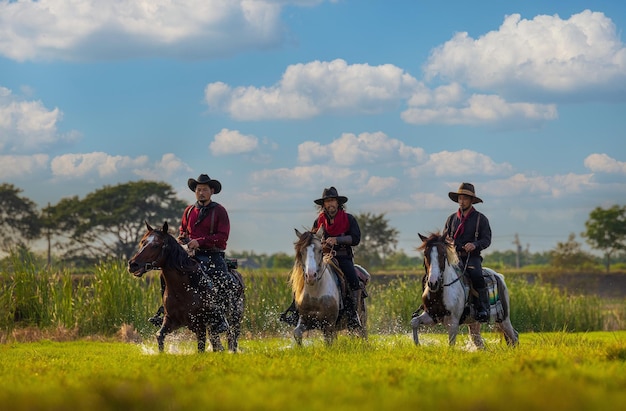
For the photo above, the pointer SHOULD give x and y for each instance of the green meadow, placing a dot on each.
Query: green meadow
(548, 371)
(83, 342)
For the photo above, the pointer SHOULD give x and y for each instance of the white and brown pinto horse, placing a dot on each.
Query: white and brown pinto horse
(317, 290)
(446, 295)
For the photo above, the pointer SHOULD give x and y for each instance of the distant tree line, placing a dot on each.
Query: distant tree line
(109, 222)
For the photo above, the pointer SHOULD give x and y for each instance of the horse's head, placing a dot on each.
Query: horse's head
(151, 254)
(309, 255)
(436, 250)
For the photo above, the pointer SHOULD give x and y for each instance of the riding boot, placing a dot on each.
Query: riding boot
(290, 316)
(482, 305)
(157, 319)
(218, 322)
(352, 309)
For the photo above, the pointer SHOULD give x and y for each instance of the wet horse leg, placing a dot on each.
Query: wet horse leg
(201, 337)
(216, 342)
(416, 322)
(453, 329)
(163, 331)
(511, 336)
(234, 328)
(474, 330)
(330, 334)
(298, 332)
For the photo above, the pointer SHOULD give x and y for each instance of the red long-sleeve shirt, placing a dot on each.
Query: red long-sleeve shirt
(212, 232)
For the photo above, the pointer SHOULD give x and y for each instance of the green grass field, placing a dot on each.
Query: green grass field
(548, 371)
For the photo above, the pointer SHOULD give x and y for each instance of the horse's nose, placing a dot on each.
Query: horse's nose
(132, 266)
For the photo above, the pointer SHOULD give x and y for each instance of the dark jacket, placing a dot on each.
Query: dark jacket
(354, 232)
(481, 237)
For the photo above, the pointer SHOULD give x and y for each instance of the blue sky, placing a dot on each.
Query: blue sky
(395, 103)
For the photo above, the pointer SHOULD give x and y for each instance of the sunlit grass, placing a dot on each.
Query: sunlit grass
(573, 371)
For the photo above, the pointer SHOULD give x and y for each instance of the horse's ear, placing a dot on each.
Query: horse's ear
(165, 227)
(148, 226)
(423, 238)
(320, 232)
(298, 233)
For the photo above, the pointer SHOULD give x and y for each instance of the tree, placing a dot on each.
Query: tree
(19, 218)
(378, 240)
(110, 221)
(570, 255)
(606, 231)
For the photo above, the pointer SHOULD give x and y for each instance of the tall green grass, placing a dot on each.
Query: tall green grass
(34, 295)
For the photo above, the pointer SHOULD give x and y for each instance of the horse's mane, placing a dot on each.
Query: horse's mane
(437, 238)
(296, 275)
(177, 258)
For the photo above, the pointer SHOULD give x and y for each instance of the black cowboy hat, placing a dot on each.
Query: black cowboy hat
(331, 193)
(468, 190)
(205, 179)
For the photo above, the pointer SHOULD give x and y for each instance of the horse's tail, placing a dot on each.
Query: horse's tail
(296, 280)
(504, 292)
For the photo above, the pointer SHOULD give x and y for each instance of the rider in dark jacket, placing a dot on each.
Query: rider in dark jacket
(341, 233)
(471, 233)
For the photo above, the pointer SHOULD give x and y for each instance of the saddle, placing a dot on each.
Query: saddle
(495, 302)
(492, 283)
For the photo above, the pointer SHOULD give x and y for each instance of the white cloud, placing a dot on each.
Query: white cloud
(169, 165)
(460, 163)
(307, 90)
(520, 185)
(232, 142)
(20, 166)
(92, 29)
(602, 163)
(447, 107)
(379, 185)
(77, 166)
(430, 201)
(582, 53)
(28, 126)
(311, 176)
(366, 148)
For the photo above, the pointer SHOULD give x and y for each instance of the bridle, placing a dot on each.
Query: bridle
(154, 265)
(321, 267)
(442, 263)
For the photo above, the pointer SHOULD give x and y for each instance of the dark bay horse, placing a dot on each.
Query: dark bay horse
(446, 295)
(190, 296)
(318, 290)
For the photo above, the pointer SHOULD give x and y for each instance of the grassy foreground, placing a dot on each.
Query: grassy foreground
(548, 371)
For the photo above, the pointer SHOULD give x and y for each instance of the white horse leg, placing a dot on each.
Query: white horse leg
(510, 334)
(416, 322)
(453, 331)
(474, 329)
(298, 332)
